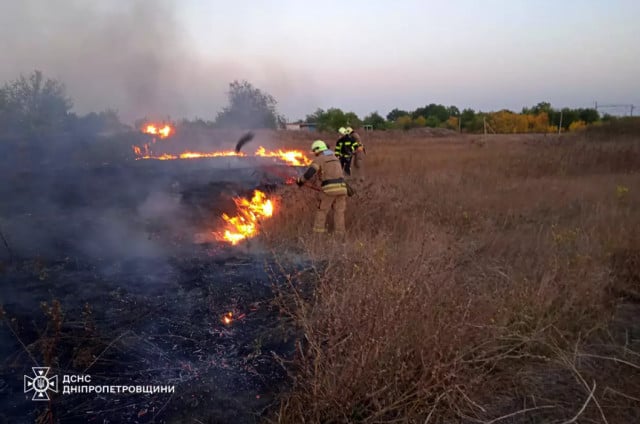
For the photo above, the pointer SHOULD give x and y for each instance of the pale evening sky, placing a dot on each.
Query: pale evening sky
(158, 58)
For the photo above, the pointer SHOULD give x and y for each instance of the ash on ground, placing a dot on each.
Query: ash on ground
(100, 277)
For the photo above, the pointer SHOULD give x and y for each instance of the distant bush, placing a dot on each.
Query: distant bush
(614, 128)
(577, 126)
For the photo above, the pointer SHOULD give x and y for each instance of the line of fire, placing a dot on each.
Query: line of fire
(140, 267)
(249, 212)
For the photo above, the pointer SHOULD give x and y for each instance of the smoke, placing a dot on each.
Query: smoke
(142, 209)
(134, 56)
(159, 204)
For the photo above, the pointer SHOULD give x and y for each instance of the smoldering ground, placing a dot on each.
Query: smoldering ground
(69, 194)
(110, 239)
(100, 273)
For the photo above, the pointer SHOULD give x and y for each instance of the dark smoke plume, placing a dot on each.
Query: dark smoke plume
(134, 56)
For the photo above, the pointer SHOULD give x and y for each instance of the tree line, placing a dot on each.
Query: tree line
(32, 105)
(539, 118)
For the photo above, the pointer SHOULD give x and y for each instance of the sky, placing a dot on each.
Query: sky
(176, 59)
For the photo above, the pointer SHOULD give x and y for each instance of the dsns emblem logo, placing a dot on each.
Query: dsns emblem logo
(40, 383)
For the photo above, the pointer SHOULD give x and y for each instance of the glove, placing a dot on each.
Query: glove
(300, 182)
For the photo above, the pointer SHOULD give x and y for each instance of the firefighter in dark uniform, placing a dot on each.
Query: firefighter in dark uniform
(345, 147)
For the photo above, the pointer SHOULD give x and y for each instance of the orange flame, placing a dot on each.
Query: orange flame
(144, 152)
(230, 317)
(186, 155)
(163, 132)
(291, 157)
(245, 224)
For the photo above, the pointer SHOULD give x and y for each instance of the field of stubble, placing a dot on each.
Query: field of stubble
(484, 279)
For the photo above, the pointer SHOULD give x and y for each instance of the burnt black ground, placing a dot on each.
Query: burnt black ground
(141, 304)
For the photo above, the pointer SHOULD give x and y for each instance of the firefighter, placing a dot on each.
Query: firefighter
(334, 188)
(359, 153)
(344, 150)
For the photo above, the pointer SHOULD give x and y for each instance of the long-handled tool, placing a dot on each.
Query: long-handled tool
(247, 137)
(311, 187)
(278, 173)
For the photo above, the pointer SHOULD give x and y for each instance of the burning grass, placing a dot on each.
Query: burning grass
(289, 157)
(163, 131)
(481, 282)
(245, 223)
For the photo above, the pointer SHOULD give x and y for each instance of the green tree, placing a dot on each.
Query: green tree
(472, 121)
(395, 114)
(352, 119)
(453, 111)
(315, 117)
(376, 121)
(332, 119)
(249, 108)
(438, 112)
(568, 116)
(468, 117)
(432, 121)
(33, 105)
(589, 115)
(541, 107)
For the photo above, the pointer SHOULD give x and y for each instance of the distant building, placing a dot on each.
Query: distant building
(292, 126)
(301, 126)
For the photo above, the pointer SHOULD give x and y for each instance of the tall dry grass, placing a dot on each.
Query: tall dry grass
(480, 282)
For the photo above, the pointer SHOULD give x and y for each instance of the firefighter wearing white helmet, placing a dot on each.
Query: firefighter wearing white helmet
(344, 150)
(327, 168)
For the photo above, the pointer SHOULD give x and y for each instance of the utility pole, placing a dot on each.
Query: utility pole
(560, 124)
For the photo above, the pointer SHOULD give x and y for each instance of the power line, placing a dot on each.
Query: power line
(630, 107)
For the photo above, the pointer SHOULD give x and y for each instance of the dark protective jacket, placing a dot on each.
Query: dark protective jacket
(328, 168)
(345, 146)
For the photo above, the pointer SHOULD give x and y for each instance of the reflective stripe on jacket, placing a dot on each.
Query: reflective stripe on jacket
(345, 146)
(330, 172)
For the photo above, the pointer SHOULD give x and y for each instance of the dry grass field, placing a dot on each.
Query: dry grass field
(484, 280)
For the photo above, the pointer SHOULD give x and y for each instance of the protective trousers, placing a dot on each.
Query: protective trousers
(346, 164)
(339, 204)
(358, 164)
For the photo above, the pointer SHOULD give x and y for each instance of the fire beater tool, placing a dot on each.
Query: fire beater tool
(244, 140)
(277, 173)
